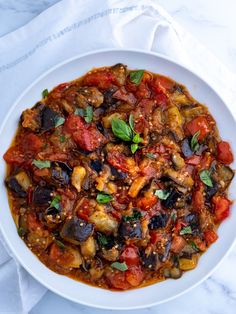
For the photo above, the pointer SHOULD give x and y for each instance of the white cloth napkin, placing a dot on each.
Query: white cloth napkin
(67, 29)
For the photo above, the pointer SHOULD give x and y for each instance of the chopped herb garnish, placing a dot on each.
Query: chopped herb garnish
(173, 216)
(162, 194)
(60, 244)
(151, 156)
(79, 112)
(62, 139)
(131, 122)
(121, 129)
(120, 266)
(136, 215)
(45, 93)
(59, 121)
(56, 202)
(194, 142)
(88, 114)
(41, 164)
(103, 198)
(206, 178)
(136, 76)
(137, 139)
(133, 148)
(102, 240)
(194, 246)
(186, 230)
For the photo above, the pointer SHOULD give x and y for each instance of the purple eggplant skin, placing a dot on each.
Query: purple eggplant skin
(42, 195)
(130, 229)
(76, 230)
(15, 187)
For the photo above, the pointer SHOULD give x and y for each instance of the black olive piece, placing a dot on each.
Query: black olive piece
(130, 229)
(60, 173)
(118, 175)
(150, 261)
(158, 221)
(96, 165)
(76, 230)
(185, 147)
(48, 118)
(14, 186)
(42, 195)
(171, 199)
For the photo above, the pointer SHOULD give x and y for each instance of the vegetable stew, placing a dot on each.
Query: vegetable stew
(119, 178)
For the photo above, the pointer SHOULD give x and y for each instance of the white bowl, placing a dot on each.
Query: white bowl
(75, 290)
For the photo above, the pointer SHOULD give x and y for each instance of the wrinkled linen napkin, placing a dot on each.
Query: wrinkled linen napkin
(72, 27)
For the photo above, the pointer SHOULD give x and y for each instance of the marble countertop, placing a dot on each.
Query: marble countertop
(213, 23)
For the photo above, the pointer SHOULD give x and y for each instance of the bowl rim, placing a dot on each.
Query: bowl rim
(12, 247)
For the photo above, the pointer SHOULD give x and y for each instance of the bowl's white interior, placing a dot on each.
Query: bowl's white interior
(80, 292)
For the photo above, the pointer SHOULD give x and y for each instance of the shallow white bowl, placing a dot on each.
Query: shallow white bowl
(74, 290)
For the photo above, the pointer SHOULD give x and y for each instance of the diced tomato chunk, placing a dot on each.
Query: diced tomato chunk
(118, 160)
(118, 280)
(146, 203)
(101, 79)
(210, 236)
(199, 124)
(134, 275)
(221, 207)
(177, 244)
(198, 200)
(55, 252)
(32, 143)
(224, 153)
(87, 136)
(130, 255)
(32, 222)
(193, 160)
(14, 156)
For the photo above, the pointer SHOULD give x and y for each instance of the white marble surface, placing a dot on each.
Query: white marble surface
(213, 23)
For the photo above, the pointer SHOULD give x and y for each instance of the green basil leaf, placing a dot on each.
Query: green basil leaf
(41, 164)
(102, 240)
(79, 112)
(206, 178)
(162, 194)
(88, 114)
(194, 246)
(133, 148)
(186, 230)
(121, 129)
(194, 142)
(131, 122)
(62, 139)
(137, 139)
(120, 266)
(60, 244)
(173, 216)
(136, 215)
(45, 93)
(59, 121)
(56, 202)
(136, 76)
(151, 156)
(103, 198)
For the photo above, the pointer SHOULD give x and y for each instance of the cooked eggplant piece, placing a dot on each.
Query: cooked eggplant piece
(175, 122)
(178, 161)
(187, 264)
(119, 175)
(89, 96)
(193, 221)
(211, 191)
(42, 195)
(130, 229)
(108, 99)
(119, 70)
(171, 199)
(77, 177)
(183, 179)
(61, 173)
(110, 255)
(222, 175)
(150, 260)
(185, 147)
(158, 221)
(48, 118)
(76, 230)
(18, 183)
(88, 248)
(96, 165)
(104, 222)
